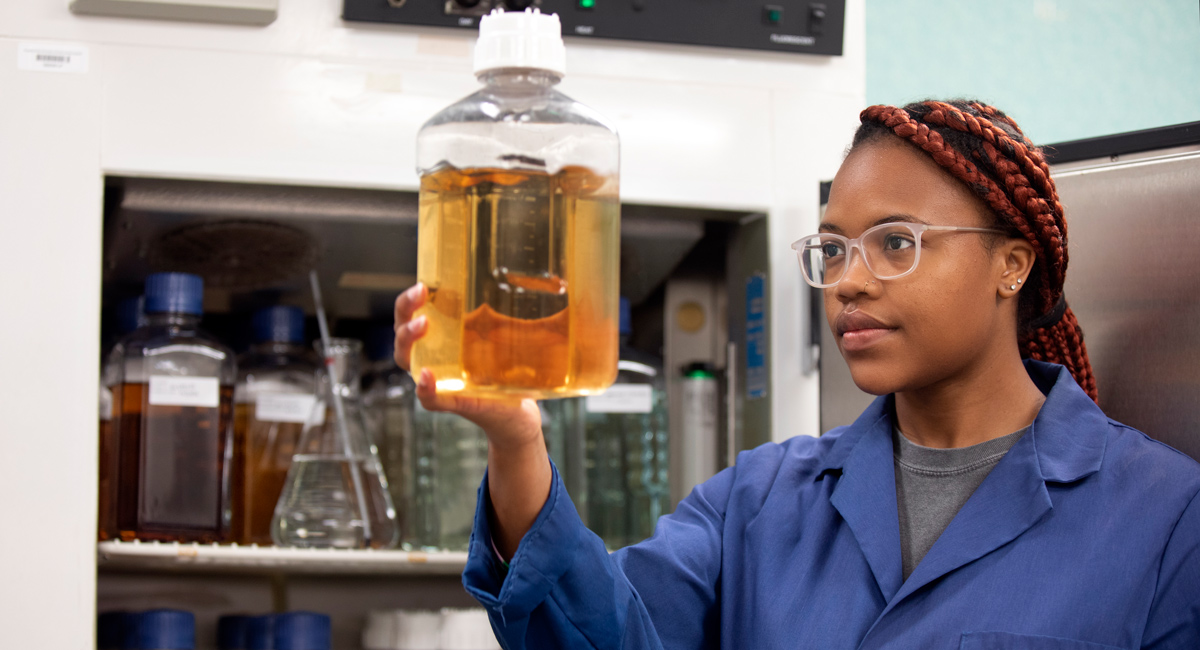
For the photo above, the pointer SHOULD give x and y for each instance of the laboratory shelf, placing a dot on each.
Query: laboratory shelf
(211, 558)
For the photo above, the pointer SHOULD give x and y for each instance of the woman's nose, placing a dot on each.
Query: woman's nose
(855, 276)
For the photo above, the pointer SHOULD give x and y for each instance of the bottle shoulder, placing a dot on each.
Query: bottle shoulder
(172, 350)
(154, 338)
(543, 107)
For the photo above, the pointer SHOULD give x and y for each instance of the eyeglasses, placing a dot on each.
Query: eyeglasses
(890, 251)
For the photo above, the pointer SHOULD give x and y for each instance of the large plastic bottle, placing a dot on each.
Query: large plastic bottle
(174, 407)
(336, 494)
(519, 226)
(276, 393)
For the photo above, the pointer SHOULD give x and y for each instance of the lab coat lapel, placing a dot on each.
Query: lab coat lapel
(1064, 444)
(865, 495)
(1010, 500)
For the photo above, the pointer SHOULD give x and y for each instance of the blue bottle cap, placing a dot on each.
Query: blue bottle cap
(131, 312)
(381, 342)
(166, 629)
(302, 631)
(179, 293)
(233, 632)
(260, 633)
(111, 630)
(626, 325)
(279, 324)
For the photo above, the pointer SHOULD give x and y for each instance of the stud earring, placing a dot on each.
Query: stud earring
(1012, 287)
(1019, 280)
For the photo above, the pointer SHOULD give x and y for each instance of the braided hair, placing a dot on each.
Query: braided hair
(986, 150)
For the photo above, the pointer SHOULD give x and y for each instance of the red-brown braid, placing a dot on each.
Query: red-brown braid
(985, 149)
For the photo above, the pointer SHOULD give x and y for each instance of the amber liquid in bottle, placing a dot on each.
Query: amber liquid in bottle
(522, 273)
(173, 482)
(106, 508)
(265, 452)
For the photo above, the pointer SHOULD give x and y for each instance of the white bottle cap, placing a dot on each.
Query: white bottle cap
(520, 39)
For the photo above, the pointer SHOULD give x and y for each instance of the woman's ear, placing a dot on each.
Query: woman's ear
(1015, 258)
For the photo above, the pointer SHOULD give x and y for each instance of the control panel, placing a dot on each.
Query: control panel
(799, 26)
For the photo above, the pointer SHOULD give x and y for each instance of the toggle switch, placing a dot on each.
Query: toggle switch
(816, 19)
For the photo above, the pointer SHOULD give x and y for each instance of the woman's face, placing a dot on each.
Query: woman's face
(945, 317)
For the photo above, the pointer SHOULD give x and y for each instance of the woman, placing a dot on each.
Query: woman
(984, 501)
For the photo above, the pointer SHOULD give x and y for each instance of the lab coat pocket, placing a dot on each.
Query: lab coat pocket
(1010, 641)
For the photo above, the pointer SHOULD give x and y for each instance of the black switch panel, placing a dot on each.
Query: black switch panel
(797, 26)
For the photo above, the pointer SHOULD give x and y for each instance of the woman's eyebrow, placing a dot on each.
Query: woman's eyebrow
(891, 218)
(900, 218)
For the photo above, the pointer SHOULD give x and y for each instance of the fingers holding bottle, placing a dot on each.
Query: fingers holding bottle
(409, 329)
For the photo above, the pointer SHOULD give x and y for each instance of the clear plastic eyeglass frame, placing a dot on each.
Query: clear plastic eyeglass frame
(889, 250)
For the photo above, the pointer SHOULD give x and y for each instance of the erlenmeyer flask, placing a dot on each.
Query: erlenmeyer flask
(336, 495)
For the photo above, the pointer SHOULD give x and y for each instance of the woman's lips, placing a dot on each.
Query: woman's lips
(859, 331)
(856, 340)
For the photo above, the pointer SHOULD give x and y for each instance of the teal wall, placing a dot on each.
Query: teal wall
(1064, 69)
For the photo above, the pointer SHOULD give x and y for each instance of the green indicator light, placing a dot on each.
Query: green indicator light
(774, 15)
(587, 4)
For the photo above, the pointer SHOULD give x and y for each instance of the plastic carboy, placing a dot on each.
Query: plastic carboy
(275, 395)
(390, 397)
(174, 410)
(336, 494)
(519, 226)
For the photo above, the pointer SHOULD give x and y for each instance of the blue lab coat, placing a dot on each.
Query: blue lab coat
(1085, 536)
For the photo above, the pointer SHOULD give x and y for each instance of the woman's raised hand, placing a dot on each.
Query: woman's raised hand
(507, 422)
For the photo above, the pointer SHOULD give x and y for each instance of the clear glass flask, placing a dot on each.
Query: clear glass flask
(336, 494)
(275, 395)
(519, 226)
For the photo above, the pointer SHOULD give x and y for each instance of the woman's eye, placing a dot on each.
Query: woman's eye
(897, 242)
(831, 250)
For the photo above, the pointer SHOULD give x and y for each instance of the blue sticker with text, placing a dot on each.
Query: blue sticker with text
(756, 337)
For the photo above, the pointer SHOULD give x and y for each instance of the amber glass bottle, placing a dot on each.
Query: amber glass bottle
(174, 410)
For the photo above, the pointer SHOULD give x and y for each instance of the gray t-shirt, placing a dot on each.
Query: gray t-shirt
(932, 485)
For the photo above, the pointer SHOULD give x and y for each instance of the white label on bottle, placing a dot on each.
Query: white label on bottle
(52, 57)
(185, 391)
(106, 404)
(281, 407)
(622, 398)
